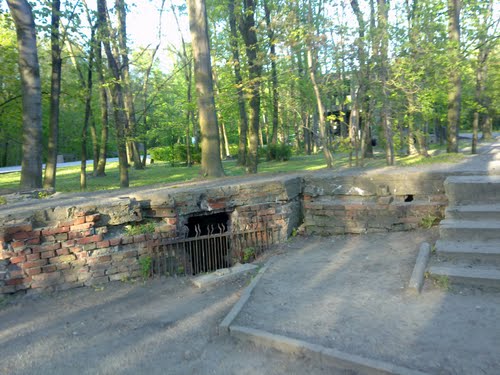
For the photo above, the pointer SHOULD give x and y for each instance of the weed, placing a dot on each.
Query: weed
(248, 254)
(3, 200)
(43, 194)
(146, 263)
(428, 221)
(148, 227)
(442, 281)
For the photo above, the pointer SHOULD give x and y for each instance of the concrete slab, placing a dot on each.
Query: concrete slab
(417, 276)
(224, 274)
(332, 357)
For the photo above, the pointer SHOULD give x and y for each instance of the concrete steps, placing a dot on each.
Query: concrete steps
(468, 251)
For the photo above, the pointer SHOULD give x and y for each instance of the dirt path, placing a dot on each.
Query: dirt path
(160, 327)
(349, 293)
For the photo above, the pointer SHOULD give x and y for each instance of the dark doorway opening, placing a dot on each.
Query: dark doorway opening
(208, 224)
(210, 248)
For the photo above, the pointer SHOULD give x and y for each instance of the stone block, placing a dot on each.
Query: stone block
(63, 259)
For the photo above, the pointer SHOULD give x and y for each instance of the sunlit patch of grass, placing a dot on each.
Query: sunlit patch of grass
(414, 160)
(68, 178)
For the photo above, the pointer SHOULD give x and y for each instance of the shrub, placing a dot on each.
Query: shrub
(280, 152)
(159, 153)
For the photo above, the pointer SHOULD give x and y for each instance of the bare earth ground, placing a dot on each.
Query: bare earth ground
(349, 293)
(163, 326)
(343, 292)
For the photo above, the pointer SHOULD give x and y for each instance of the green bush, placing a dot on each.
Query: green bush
(176, 154)
(280, 152)
(159, 153)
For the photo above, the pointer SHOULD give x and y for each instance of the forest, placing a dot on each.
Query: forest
(252, 79)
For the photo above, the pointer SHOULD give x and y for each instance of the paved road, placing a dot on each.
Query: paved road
(17, 168)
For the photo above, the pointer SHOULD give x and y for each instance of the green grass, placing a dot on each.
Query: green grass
(68, 178)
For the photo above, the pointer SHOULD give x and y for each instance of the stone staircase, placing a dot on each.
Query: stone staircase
(468, 251)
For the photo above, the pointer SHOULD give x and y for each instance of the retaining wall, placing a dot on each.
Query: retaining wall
(80, 239)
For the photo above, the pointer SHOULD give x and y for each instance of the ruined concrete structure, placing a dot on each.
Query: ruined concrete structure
(80, 239)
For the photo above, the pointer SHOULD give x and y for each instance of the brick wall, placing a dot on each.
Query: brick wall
(56, 245)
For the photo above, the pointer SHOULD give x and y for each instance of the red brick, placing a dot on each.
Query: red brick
(49, 268)
(61, 237)
(89, 246)
(14, 282)
(18, 259)
(92, 218)
(52, 231)
(33, 241)
(79, 220)
(63, 258)
(86, 240)
(35, 263)
(104, 258)
(63, 266)
(25, 227)
(17, 244)
(130, 254)
(139, 238)
(25, 235)
(33, 271)
(102, 244)
(81, 227)
(81, 213)
(31, 257)
(64, 251)
(68, 243)
(49, 238)
(50, 246)
(48, 254)
(115, 241)
(127, 240)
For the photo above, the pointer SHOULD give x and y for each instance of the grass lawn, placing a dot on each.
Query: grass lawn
(68, 178)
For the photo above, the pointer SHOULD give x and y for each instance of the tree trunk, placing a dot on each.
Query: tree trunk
(29, 70)
(211, 165)
(101, 166)
(128, 99)
(383, 10)
(249, 34)
(243, 123)
(88, 102)
(55, 92)
(321, 109)
(116, 94)
(455, 90)
(274, 72)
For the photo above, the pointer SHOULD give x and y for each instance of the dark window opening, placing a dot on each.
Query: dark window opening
(409, 198)
(211, 251)
(208, 224)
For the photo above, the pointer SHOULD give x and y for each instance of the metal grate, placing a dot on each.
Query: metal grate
(215, 250)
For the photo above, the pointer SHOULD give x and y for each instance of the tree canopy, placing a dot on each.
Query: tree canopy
(305, 75)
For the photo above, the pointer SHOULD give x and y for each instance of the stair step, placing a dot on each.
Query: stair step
(471, 251)
(471, 276)
(474, 212)
(469, 230)
(472, 189)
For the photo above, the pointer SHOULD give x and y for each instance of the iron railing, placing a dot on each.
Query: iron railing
(209, 252)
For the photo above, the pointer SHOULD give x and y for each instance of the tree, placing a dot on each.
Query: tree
(116, 89)
(29, 69)
(243, 118)
(249, 34)
(211, 165)
(455, 89)
(55, 93)
(128, 99)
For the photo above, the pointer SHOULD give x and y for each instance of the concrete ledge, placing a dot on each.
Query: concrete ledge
(315, 352)
(224, 326)
(417, 276)
(221, 275)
